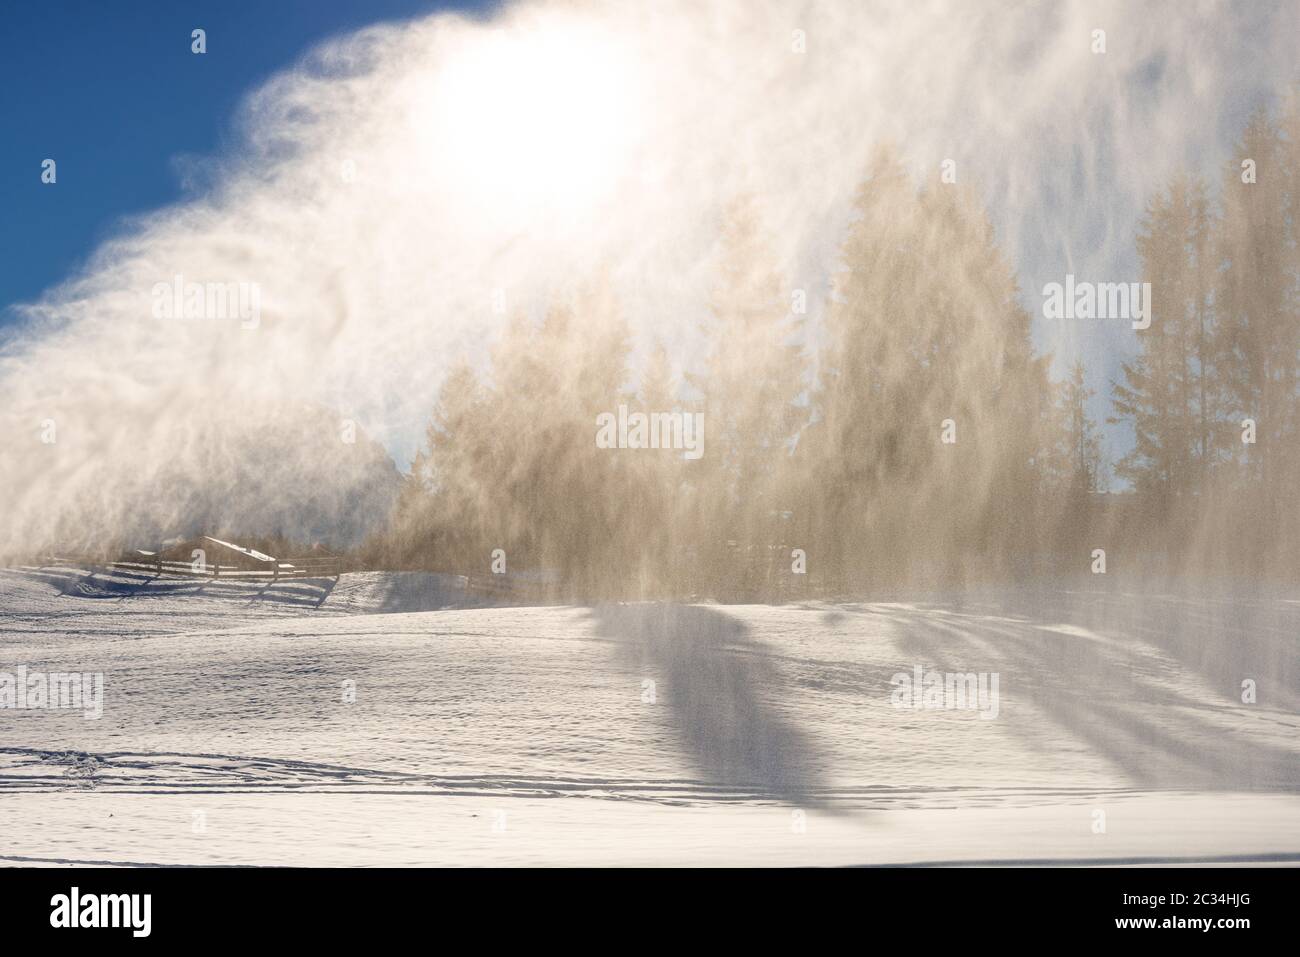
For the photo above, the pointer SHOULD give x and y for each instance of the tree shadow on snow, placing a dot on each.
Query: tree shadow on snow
(1089, 668)
(722, 691)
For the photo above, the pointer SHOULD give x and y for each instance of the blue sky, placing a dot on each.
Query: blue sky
(112, 93)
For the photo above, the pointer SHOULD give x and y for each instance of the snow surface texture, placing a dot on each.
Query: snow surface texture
(643, 733)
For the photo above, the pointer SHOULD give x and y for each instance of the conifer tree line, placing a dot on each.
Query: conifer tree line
(917, 439)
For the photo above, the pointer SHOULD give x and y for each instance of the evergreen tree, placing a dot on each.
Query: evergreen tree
(931, 402)
(1257, 301)
(1082, 440)
(1168, 392)
(754, 374)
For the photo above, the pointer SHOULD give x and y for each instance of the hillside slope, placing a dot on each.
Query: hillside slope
(358, 725)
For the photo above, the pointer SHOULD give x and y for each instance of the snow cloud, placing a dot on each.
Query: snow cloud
(395, 196)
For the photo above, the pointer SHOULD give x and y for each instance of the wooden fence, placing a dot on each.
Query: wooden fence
(271, 571)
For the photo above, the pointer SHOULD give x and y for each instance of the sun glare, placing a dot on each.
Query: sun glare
(527, 120)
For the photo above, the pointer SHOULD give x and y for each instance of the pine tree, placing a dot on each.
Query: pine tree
(925, 342)
(654, 498)
(1168, 393)
(1258, 304)
(1082, 439)
(1257, 301)
(753, 377)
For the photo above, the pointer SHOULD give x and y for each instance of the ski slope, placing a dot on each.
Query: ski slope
(378, 720)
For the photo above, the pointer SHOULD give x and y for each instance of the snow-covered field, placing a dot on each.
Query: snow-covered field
(641, 734)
